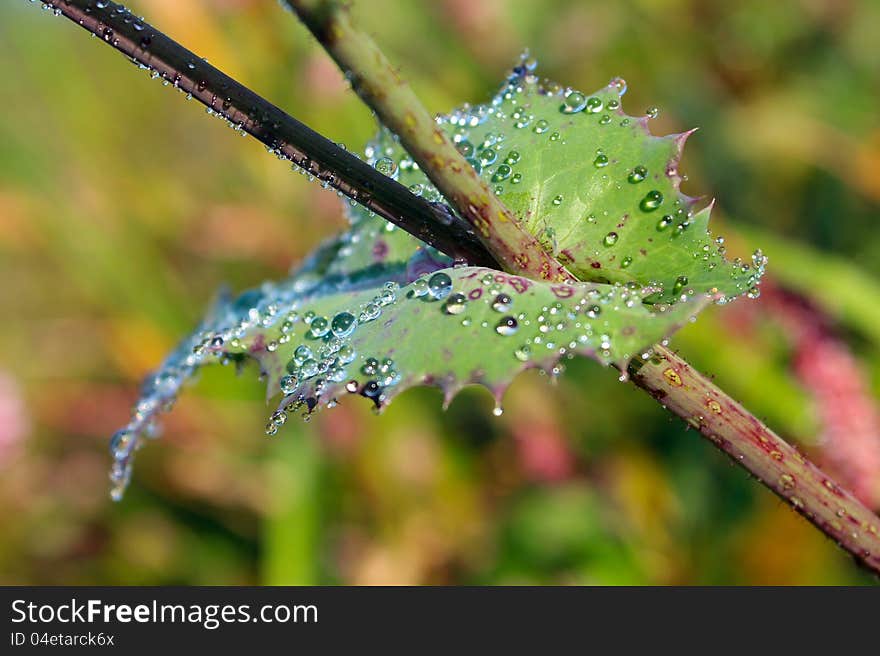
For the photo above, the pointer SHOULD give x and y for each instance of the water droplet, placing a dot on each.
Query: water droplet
(319, 326)
(386, 166)
(301, 354)
(455, 304)
(120, 443)
(372, 389)
(343, 324)
(638, 174)
(574, 102)
(595, 105)
(541, 127)
(439, 285)
(420, 287)
(507, 326)
(557, 200)
(288, 384)
(501, 173)
(610, 239)
(651, 201)
(626, 262)
(523, 353)
(346, 354)
(502, 303)
(488, 156)
(600, 161)
(664, 223)
(466, 148)
(652, 112)
(680, 284)
(370, 312)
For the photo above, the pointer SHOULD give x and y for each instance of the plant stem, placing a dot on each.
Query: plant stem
(282, 134)
(667, 377)
(382, 89)
(778, 465)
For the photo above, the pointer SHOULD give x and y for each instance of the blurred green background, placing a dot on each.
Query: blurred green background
(123, 208)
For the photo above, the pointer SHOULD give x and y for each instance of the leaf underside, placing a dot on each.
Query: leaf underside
(375, 311)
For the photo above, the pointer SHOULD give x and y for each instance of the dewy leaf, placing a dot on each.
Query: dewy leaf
(376, 311)
(592, 184)
(316, 338)
(455, 327)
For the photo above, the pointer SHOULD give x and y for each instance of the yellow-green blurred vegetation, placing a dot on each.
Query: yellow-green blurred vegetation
(123, 208)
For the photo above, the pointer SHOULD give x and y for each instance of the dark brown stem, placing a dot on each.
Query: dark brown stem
(282, 134)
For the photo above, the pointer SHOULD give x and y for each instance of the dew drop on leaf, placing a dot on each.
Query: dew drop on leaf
(120, 443)
(319, 326)
(680, 284)
(594, 105)
(507, 326)
(638, 174)
(439, 285)
(466, 148)
(488, 156)
(370, 312)
(502, 303)
(419, 287)
(574, 102)
(501, 173)
(343, 324)
(455, 304)
(651, 201)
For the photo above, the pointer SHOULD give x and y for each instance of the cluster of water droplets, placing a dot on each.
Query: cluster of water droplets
(221, 337)
(327, 358)
(325, 355)
(497, 139)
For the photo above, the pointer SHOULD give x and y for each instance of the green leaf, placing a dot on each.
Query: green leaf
(458, 326)
(375, 311)
(318, 337)
(591, 183)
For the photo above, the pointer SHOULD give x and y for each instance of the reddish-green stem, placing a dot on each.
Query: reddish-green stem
(774, 462)
(381, 87)
(667, 377)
